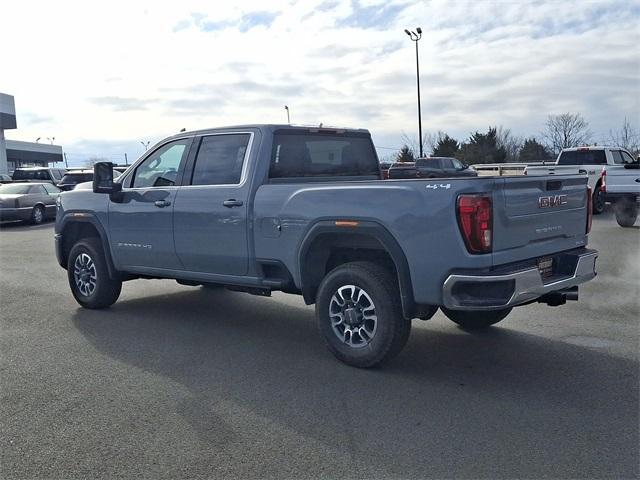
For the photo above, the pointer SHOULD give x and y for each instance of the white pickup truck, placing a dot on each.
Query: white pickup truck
(590, 161)
(621, 186)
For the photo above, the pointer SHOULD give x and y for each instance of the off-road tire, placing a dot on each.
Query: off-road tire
(106, 290)
(476, 320)
(392, 329)
(626, 213)
(597, 201)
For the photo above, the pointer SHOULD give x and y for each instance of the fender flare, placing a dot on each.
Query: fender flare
(87, 217)
(367, 228)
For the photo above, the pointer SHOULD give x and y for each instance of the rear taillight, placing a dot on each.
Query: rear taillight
(475, 217)
(589, 208)
(603, 181)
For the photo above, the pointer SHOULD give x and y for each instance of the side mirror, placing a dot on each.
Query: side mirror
(103, 178)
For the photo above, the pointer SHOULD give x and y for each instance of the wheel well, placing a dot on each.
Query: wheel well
(73, 232)
(330, 250)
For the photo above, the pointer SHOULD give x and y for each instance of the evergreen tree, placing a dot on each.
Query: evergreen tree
(405, 155)
(482, 148)
(533, 151)
(446, 147)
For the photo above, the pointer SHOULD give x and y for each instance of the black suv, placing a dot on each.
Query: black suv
(38, 174)
(73, 178)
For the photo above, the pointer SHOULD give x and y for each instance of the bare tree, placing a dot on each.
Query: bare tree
(566, 130)
(510, 143)
(626, 137)
(429, 141)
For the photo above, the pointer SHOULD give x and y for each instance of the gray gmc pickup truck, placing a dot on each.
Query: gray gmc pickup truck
(303, 210)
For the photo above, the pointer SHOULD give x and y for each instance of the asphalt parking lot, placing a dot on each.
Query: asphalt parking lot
(177, 382)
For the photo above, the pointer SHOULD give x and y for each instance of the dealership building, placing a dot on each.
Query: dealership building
(14, 153)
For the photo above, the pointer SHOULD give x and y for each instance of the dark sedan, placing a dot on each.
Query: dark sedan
(438, 167)
(29, 202)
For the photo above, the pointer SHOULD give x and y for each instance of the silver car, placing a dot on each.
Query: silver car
(29, 202)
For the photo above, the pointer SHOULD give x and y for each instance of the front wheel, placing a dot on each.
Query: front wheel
(626, 213)
(476, 320)
(359, 314)
(89, 277)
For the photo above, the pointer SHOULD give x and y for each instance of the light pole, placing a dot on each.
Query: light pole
(51, 140)
(286, 107)
(145, 145)
(415, 36)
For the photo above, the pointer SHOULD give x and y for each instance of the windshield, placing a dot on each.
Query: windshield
(19, 189)
(77, 178)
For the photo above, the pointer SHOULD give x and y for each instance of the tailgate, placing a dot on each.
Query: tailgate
(536, 216)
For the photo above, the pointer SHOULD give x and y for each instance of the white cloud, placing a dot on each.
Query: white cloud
(123, 71)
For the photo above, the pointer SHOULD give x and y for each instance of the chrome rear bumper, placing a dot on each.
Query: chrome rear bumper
(491, 292)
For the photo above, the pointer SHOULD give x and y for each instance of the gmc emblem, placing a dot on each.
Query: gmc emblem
(552, 201)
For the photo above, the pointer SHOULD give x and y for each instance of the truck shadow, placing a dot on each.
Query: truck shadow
(267, 358)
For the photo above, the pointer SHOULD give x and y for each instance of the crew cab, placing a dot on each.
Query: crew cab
(303, 210)
(588, 161)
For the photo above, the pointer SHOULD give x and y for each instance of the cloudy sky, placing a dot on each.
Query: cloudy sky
(103, 76)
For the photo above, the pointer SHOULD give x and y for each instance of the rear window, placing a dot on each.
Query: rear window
(31, 175)
(322, 155)
(583, 157)
(73, 178)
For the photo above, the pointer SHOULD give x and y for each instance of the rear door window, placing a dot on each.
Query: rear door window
(220, 159)
(37, 189)
(617, 156)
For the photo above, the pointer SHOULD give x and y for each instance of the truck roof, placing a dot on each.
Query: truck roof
(271, 127)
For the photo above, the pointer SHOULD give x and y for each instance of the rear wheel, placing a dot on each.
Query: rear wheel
(359, 314)
(626, 211)
(476, 320)
(598, 201)
(89, 277)
(37, 215)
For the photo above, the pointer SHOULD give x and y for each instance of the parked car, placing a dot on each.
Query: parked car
(263, 208)
(588, 161)
(403, 170)
(4, 178)
(38, 174)
(621, 186)
(74, 177)
(438, 167)
(32, 202)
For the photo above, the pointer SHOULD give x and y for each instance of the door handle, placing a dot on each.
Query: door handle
(232, 202)
(162, 203)
(582, 171)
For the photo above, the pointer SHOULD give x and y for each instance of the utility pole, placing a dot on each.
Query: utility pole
(126, 161)
(286, 107)
(66, 163)
(415, 37)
